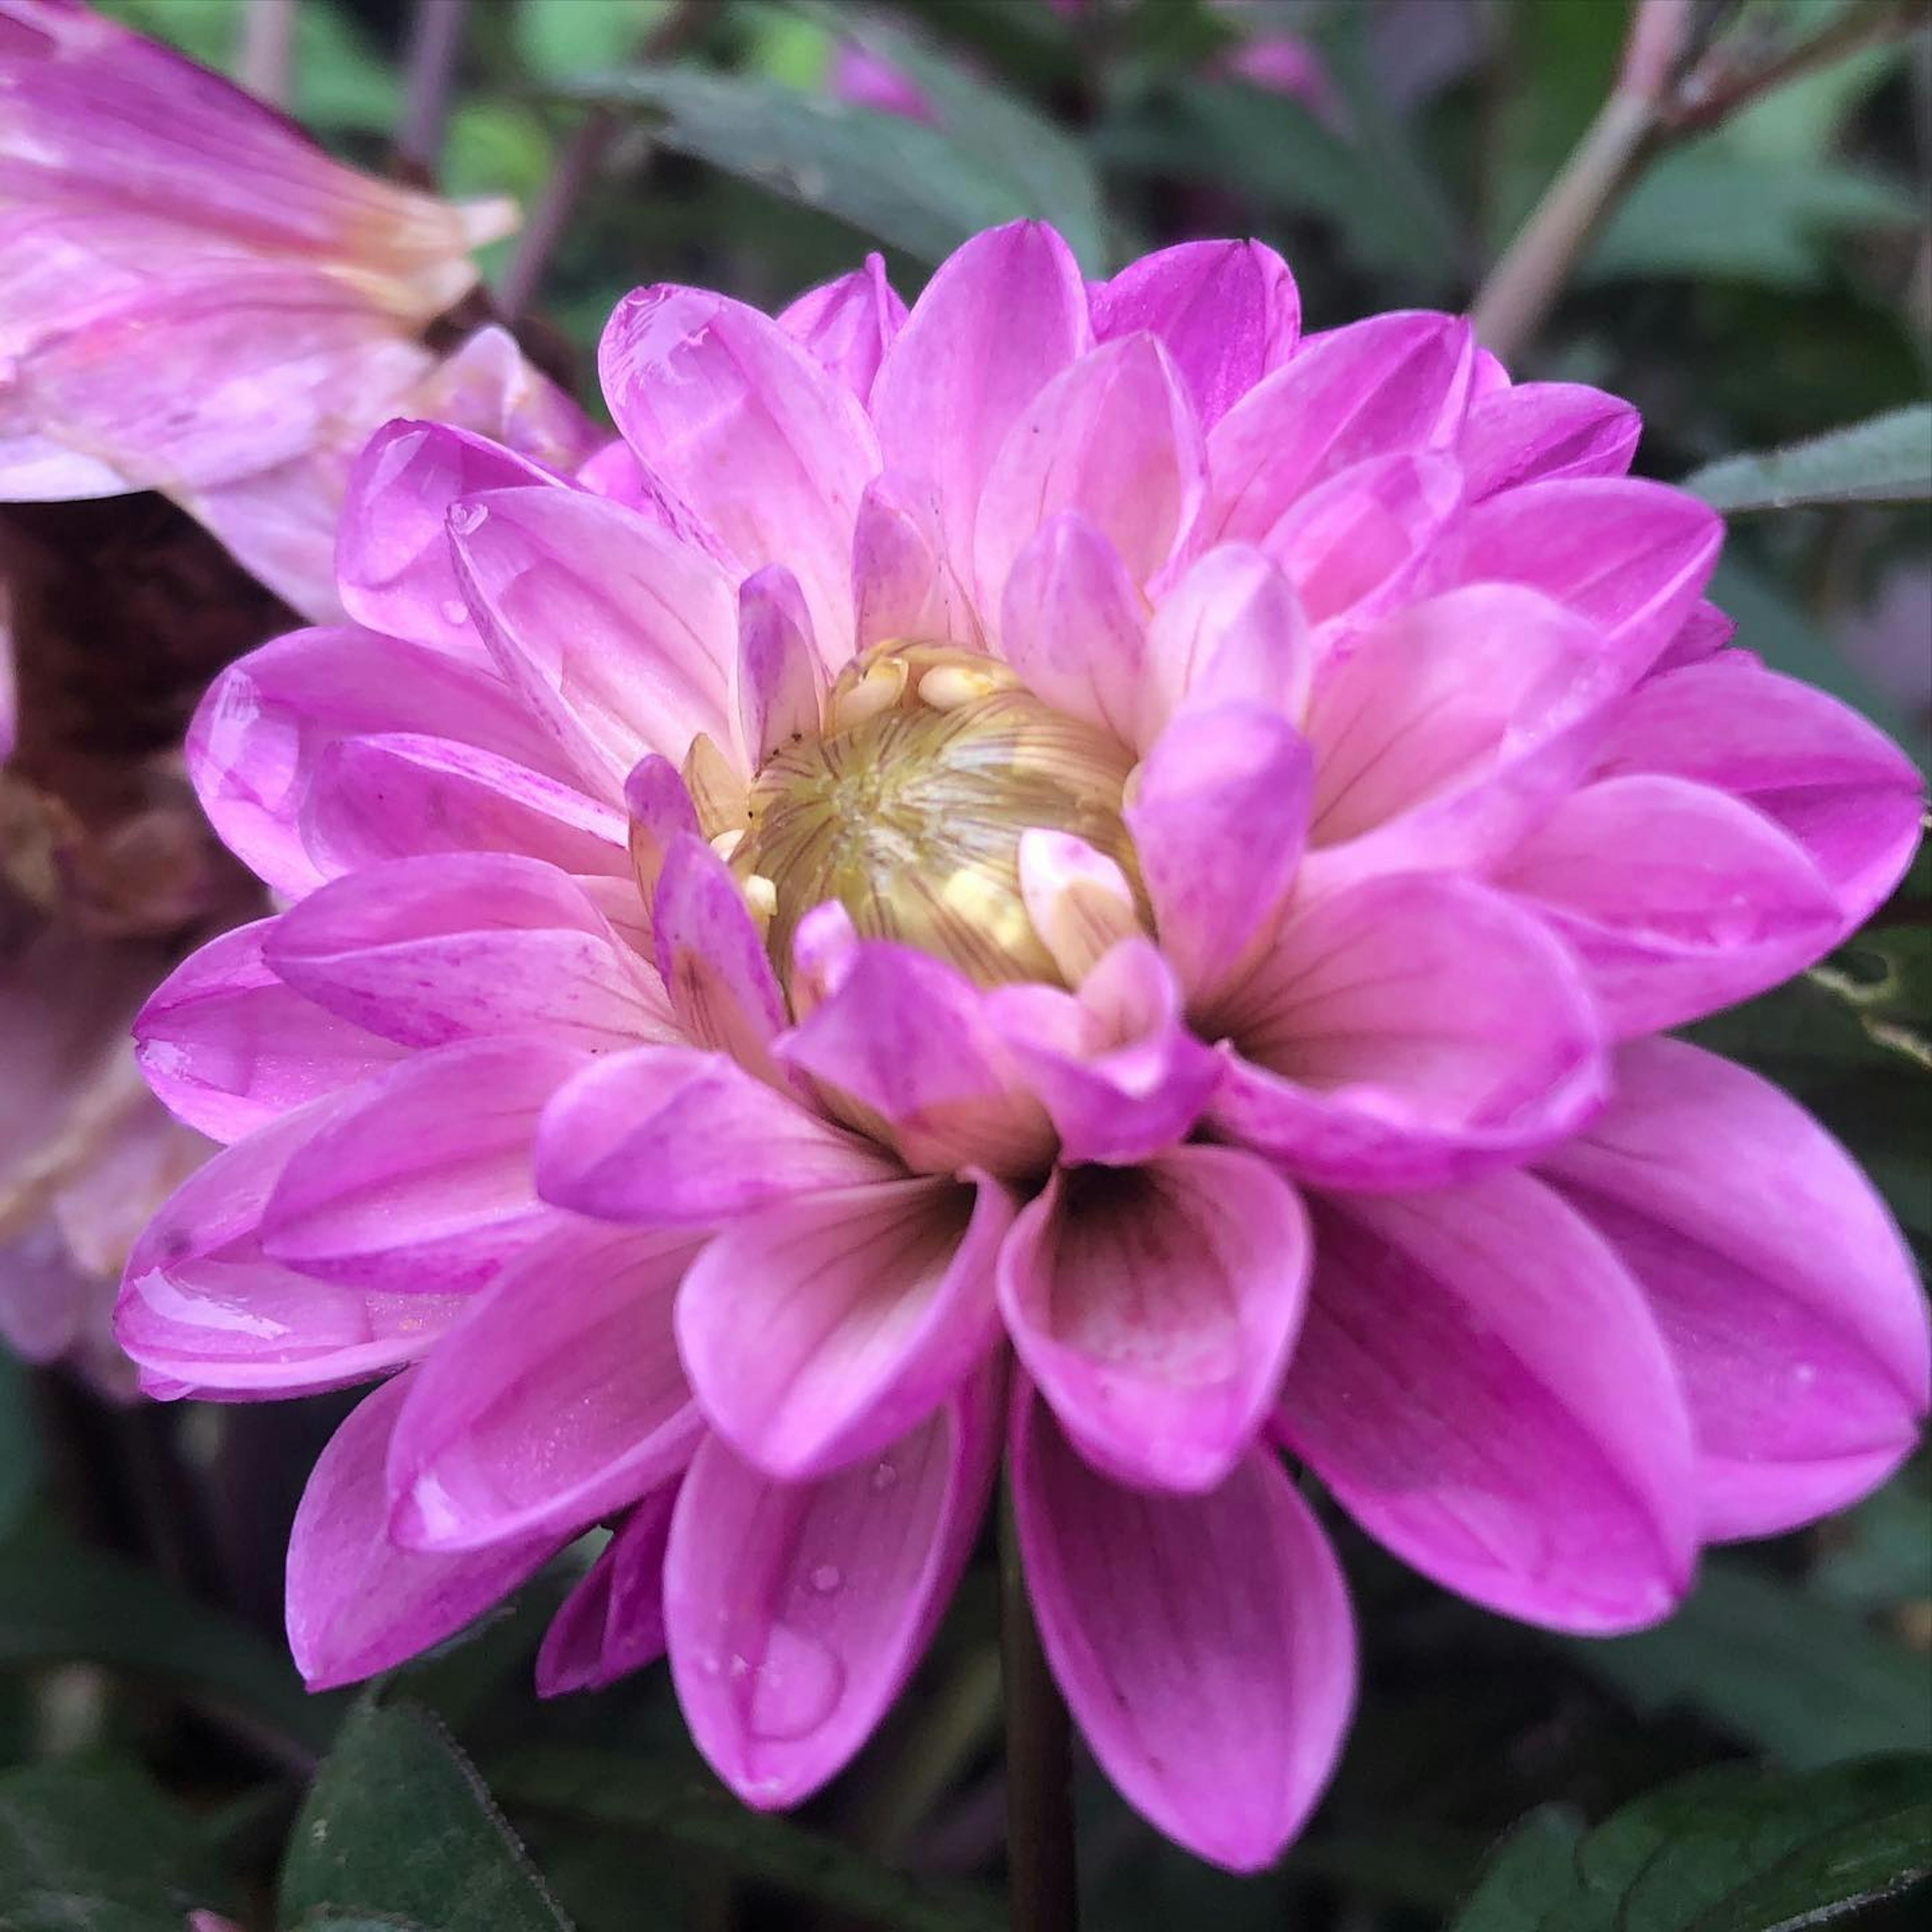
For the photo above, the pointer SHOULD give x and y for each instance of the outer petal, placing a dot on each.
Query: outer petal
(1678, 899)
(797, 1611)
(1232, 632)
(1543, 431)
(769, 447)
(1001, 318)
(557, 1398)
(1408, 1032)
(613, 1623)
(1156, 1307)
(1204, 1642)
(228, 1047)
(870, 1305)
(1790, 1302)
(672, 1137)
(420, 1183)
(358, 1604)
(1114, 438)
(849, 324)
(1483, 1388)
(1836, 785)
(1218, 821)
(1227, 312)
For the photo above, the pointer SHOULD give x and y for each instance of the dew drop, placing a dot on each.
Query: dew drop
(826, 1578)
(796, 1688)
(882, 1479)
(465, 518)
(453, 611)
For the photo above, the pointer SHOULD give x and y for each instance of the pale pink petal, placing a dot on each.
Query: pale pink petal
(903, 583)
(849, 324)
(1678, 899)
(1001, 318)
(228, 1047)
(797, 1611)
(357, 1604)
(612, 1624)
(870, 1305)
(1790, 1305)
(557, 1398)
(1483, 1388)
(1408, 1032)
(1227, 312)
(1204, 1642)
(1231, 632)
(1540, 430)
(768, 447)
(1078, 901)
(712, 957)
(420, 1182)
(779, 678)
(1072, 625)
(673, 1137)
(1156, 1307)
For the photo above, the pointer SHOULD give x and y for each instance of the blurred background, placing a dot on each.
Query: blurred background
(1757, 273)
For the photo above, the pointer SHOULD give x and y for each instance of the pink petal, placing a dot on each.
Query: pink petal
(1395, 382)
(771, 449)
(1071, 624)
(870, 1305)
(612, 1624)
(1227, 312)
(358, 1603)
(712, 957)
(1706, 630)
(671, 1137)
(204, 1312)
(1078, 901)
(1232, 632)
(903, 583)
(619, 636)
(1483, 1387)
(1114, 438)
(1540, 431)
(796, 1612)
(1218, 822)
(467, 946)
(1838, 785)
(420, 1182)
(1001, 318)
(228, 1047)
(1408, 1032)
(1204, 1642)
(252, 746)
(849, 324)
(1679, 899)
(1155, 1306)
(780, 679)
(557, 1398)
(1790, 1304)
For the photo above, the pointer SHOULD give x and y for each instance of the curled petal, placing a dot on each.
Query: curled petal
(780, 680)
(1078, 901)
(849, 323)
(712, 957)
(1232, 632)
(904, 584)
(1072, 626)
(1543, 431)
(612, 1624)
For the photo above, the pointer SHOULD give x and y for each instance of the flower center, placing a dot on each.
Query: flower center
(908, 808)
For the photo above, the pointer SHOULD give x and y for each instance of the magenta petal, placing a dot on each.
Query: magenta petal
(780, 679)
(228, 1047)
(467, 946)
(849, 324)
(557, 1398)
(1836, 785)
(769, 447)
(421, 1182)
(999, 319)
(1483, 1388)
(1232, 632)
(1678, 899)
(712, 957)
(797, 1611)
(1071, 625)
(904, 585)
(1788, 1299)
(1227, 312)
(1156, 1307)
(612, 1624)
(357, 1602)
(1408, 1032)
(1204, 1642)
(672, 1137)
(1704, 632)
(1540, 430)
(203, 1311)
(870, 1305)
(1218, 821)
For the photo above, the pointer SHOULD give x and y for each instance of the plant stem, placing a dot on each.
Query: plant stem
(267, 49)
(435, 34)
(1041, 1880)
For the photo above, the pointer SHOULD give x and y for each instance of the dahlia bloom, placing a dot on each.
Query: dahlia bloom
(198, 301)
(1075, 875)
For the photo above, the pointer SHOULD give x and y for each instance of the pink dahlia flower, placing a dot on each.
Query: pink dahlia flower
(198, 301)
(1076, 874)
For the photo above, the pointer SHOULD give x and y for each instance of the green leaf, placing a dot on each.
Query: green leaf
(398, 1824)
(1804, 1680)
(95, 1848)
(560, 37)
(912, 186)
(1536, 1863)
(627, 1794)
(1887, 459)
(61, 1604)
(19, 1444)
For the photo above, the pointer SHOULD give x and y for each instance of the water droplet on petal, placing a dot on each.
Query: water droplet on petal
(882, 1479)
(465, 518)
(826, 1578)
(796, 1688)
(453, 611)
